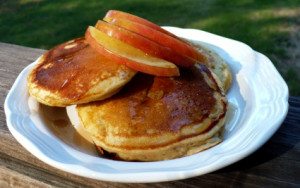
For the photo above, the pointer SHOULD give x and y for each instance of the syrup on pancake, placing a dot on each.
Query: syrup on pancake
(71, 69)
(153, 115)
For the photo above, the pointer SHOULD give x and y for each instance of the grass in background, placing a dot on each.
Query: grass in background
(270, 27)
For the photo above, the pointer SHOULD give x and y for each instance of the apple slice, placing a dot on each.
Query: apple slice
(132, 57)
(146, 45)
(161, 38)
(115, 14)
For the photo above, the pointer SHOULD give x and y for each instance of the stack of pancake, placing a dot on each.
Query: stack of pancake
(129, 115)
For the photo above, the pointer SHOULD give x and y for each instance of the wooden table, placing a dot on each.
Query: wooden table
(276, 164)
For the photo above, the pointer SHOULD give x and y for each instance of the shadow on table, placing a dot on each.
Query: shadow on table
(285, 139)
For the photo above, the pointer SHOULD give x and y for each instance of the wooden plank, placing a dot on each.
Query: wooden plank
(10, 178)
(276, 164)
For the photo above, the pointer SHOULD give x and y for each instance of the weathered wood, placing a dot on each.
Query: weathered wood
(276, 164)
(10, 178)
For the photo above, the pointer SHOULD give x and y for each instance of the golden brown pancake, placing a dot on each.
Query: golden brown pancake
(73, 73)
(158, 118)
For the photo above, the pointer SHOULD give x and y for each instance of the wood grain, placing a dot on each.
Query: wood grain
(276, 164)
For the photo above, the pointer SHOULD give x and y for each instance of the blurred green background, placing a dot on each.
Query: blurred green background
(269, 26)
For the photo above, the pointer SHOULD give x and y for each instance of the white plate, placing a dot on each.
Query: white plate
(258, 93)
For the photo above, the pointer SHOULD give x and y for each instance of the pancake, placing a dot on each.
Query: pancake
(158, 118)
(73, 73)
(216, 64)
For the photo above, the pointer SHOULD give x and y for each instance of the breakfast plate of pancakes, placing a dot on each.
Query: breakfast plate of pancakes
(81, 113)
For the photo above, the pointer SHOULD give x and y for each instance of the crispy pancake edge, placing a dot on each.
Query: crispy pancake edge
(182, 148)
